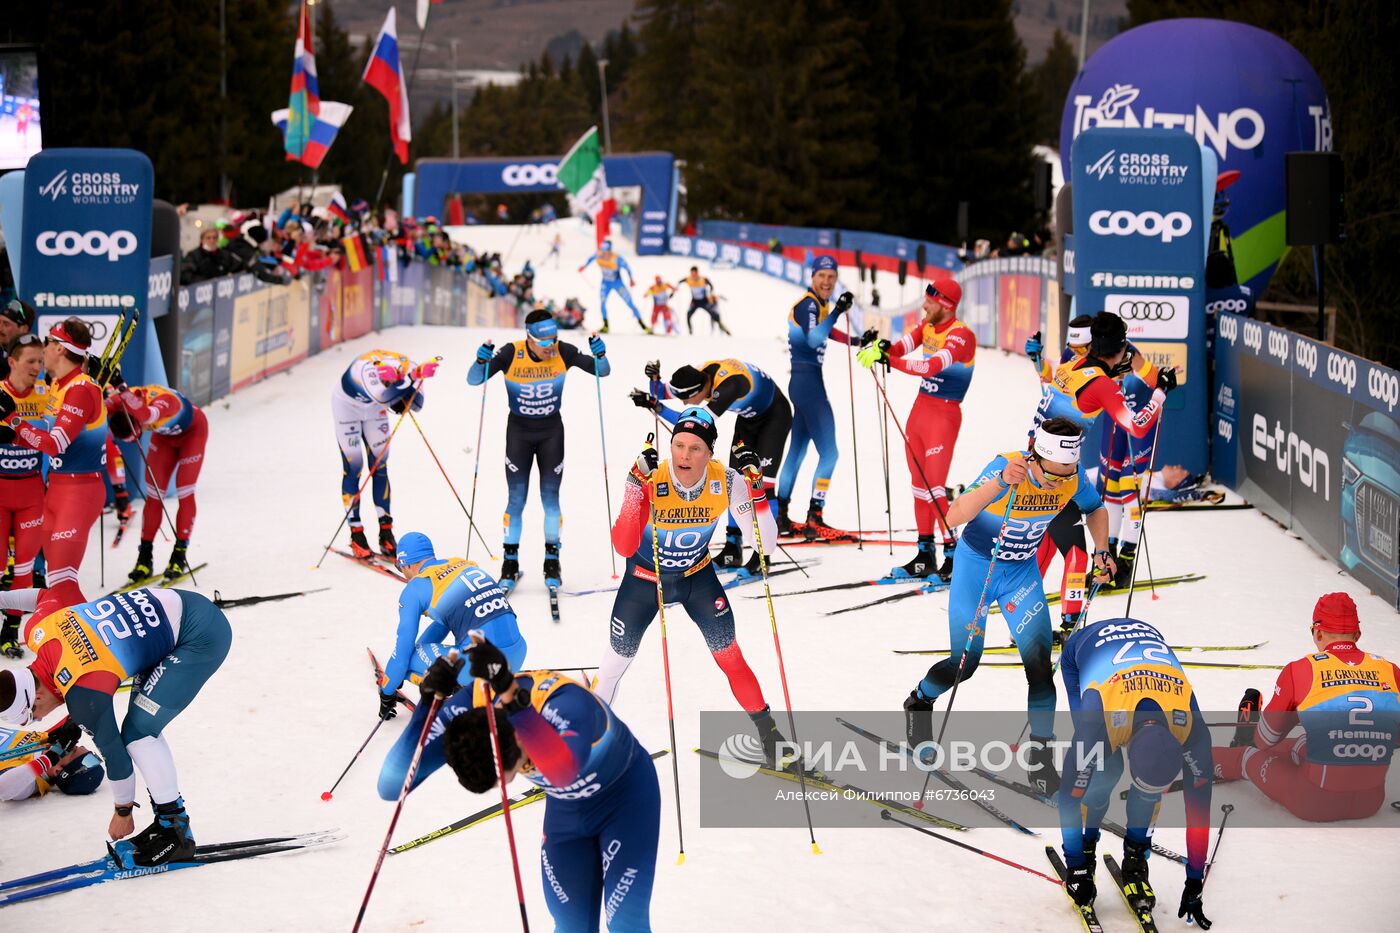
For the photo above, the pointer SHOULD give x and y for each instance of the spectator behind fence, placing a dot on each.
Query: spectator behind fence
(207, 260)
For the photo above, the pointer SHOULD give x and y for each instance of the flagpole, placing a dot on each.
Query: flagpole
(412, 72)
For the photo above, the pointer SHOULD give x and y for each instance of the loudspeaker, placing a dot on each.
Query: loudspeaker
(903, 270)
(1042, 186)
(1314, 183)
(920, 257)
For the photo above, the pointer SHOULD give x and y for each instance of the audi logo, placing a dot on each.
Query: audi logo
(1146, 311)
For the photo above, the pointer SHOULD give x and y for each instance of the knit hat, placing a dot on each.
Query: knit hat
(1336, 612)
(413, 547)
(686, 381)
(699, 422)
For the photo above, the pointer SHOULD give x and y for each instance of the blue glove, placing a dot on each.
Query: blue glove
(1033, 346)
(485, 352)
(596, 345)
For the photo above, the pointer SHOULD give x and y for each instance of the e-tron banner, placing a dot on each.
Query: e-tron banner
(1309, 435)
(87, 242)
(1139, 251)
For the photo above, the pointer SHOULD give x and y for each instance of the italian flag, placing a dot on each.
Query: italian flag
(581, 173)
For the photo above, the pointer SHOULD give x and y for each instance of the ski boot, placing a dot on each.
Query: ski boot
(771, 738)
(179, 564)
(945, 569)
(604, 328)
(733, 554)
(10, 644)
(817, 528)
(918, 719)
(785, 525)
(145, 563)
(1127, 554)
(168, 839)
(646, 327)
(1248, 718)
(1067, 623)
(1042, 774)
(359, 545)
(552, 573)
(921, 567)
(1136, 887)
(387, 545)
(510, 567)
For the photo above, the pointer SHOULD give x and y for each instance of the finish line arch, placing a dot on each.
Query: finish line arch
(654, 172)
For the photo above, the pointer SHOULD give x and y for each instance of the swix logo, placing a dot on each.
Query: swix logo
(1384, 386)
(1242, 128)
(1228, 328)
(1104, 165)
(1305, 355)
(1253, 336)
(57, 186)
(1341, 369)
(1284, 451)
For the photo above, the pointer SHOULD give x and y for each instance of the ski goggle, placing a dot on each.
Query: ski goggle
(26, 340)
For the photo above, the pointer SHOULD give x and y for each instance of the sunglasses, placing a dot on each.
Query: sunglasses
(27, 340)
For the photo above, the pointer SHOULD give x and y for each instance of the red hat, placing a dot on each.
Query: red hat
(1335, 612)
(947, 292)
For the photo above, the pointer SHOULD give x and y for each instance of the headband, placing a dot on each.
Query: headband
(1078, 337)
(1057, 447)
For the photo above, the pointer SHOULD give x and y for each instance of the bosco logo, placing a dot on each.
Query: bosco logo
(518, 175)
(1150, 224)
(113, 245)
(1341, 369)
(1305, 355)
(1253, 336)
(1384, 386)
(1229, 329)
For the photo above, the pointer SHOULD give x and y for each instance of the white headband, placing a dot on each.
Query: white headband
(1078, 336)
(20, 710)
(1057, 447)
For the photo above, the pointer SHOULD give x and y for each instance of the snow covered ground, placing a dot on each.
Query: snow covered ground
(294, 699)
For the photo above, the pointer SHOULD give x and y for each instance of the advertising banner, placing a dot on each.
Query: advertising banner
(196, 309)
(1139, 252)
(356, 303)
(221, 381)
(330, 324)
(1019, 310)
(86, 243)
(271, 326)
(1309, 435)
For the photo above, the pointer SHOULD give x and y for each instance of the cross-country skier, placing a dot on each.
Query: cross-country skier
(1081, 390)
(1125, 464)
(59, 762)
(457, 596)
(21, 485)
(375, 384)
(1130, 699)
(810, 324)
(170, 642)
(612, 266)
(996, 562)
(534, 370)
(763, 419)
(603, 802)
(660, 294)
(949, 348)
(1347, 703)
(179, 433)
(670, 509)
(702, 298)
(76, 444)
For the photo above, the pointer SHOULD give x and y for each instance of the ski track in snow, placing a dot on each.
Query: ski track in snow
(295, 699)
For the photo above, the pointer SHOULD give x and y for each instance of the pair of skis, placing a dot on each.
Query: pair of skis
(1087, 915)
(156, 579)
(552, 588)
(1012, 649)
(376, 562)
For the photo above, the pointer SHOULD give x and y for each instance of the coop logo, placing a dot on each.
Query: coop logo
(113, 245)
(1305, 355)
(1285, 451)
(1225, 429)
(1229, 329)
(1150, 224)
(1234, 305)
(519, 175)
(1242, 128)
(1253, 336)
(159, 284)
(57, 186)
(1278, 345)
(1384, 386)
(1341, 369)
(1102, 167)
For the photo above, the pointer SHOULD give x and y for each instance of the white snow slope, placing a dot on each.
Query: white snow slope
(294, 699)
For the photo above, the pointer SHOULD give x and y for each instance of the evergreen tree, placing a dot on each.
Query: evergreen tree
(663, 109)
(1051, 80)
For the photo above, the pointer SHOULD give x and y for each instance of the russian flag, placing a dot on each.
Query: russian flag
(384, 73)
(323, 129)
(304, 103)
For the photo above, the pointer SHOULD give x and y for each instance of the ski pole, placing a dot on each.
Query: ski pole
(102, 551)
(403, 795)
(476, 467)
(885, 460)
(855, 447)
(972, 630)
(782, 670)
(505, 804)
(354, 500)
(328, 794)
(1151, 467)
(603, 439)
(443, 471)
(1226, 809)
(666, 664)
(887, 815)
(794, 561)
(1082, 621)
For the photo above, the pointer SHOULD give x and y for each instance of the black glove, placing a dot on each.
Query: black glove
(7, 405)
(7, 433)
(66, 736)
(388, 705)
(747, 461)
(843, 304)
(401, 406)
(647, 462)
(1166, 380)
(114, 376)
(1079, 884)
(870, 336)
(490, 665)
(441, 677)
(1191, 903)
(653, 369)
(643, 399)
